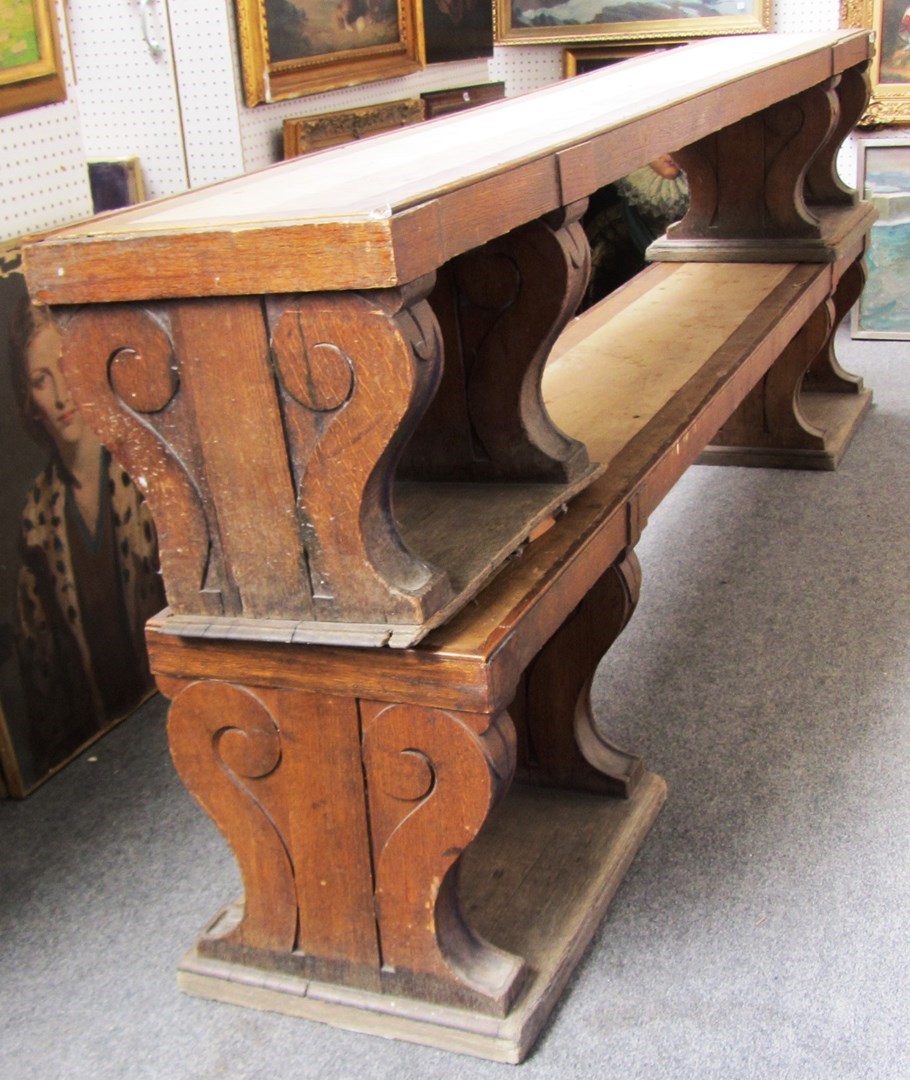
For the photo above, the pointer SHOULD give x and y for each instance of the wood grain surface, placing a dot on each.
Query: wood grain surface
(342, 219)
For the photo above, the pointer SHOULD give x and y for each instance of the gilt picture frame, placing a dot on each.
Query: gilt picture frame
(889, 75)
(883, 177)
(31, 72)
(527, 22)
(291, 48)
(306, 134)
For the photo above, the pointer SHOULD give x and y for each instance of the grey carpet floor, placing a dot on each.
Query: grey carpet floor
(762, 930)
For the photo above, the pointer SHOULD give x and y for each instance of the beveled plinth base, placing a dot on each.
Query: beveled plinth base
(537, 882)
(837, 415)
(839, 228)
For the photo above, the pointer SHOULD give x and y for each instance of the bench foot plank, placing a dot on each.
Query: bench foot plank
(803, 413)
(838, 415)
(559, 742)
(537, 880)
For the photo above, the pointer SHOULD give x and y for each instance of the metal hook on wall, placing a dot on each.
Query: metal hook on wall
(155, 48)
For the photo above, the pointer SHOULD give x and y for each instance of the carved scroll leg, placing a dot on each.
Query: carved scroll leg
(280, 774)
(825, 375)
(501, 307)
(223, 740)
(560, 745)
(432, 778)
(770, 429)
(356, 372)
(746, 185)
(824, 187)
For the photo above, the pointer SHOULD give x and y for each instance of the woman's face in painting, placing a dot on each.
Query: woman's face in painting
(50, 397)
(665, 167)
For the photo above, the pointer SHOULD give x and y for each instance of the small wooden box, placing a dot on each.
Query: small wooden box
(441, 102)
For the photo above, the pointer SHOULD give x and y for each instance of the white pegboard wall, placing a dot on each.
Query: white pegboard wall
(127, 93)
(804, 16)
(526, 67)
(43, 178)
(208, 87)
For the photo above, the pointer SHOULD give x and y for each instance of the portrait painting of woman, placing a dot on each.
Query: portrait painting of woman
(88, 576)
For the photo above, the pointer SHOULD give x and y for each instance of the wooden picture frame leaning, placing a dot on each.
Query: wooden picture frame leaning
(883, 177)
(527, 22)
(31, 71)
(579, 60)
(890, 71)
(306, 134)
(290, 48)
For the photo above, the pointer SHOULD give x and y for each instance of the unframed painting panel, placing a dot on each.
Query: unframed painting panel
(73, 600)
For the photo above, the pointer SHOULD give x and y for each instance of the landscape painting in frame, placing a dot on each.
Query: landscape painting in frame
(289, 48)
(884, 178)
(890, 74)
(526, 21)
(30, 72)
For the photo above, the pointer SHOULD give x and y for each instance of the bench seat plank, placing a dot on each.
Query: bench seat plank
(391, 208)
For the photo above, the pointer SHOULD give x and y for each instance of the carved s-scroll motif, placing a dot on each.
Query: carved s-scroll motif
(433, 777)
(225, 742)
(121, 366)
(825, 372)
(355, 373)
(501, 307)
(795, 132)
(824, 187)
(560, 744)
(771, 414)
(748, 181)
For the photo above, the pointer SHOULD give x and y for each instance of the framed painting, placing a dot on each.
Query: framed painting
(883, 310)
(115, 182)
(579, 60)
(890, 74)
(290, 48)
(526, 22)
(456, 30)
(78, 562)
(30, 68)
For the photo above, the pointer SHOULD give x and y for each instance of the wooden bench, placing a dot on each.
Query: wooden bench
(395, 879)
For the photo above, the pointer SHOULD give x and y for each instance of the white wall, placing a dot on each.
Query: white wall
(179, 109)
(43, 181)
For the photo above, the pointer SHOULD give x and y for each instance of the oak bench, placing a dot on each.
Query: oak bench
(331, 378)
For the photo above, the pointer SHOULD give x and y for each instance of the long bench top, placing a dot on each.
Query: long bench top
(386, 210)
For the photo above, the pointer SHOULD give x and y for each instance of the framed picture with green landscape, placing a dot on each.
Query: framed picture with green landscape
(527, 22)
(883, 170)
(30, 68)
